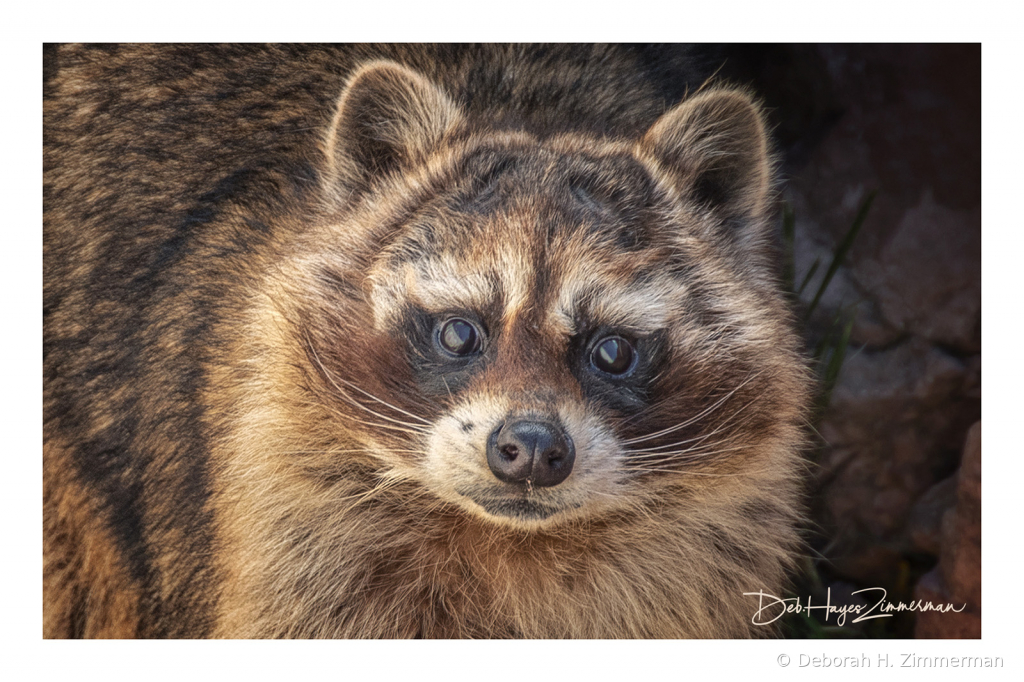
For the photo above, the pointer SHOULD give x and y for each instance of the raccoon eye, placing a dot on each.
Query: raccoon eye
(613, 355)
(459, 337)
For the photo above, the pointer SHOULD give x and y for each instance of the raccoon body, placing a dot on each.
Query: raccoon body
(410, 342)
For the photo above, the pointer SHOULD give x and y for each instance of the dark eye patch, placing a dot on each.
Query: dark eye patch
(627, 388)
(441, 365)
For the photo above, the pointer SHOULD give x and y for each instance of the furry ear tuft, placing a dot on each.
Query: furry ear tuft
(388, 118)
(715, 146)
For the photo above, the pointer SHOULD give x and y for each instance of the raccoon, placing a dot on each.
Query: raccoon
(395, 341)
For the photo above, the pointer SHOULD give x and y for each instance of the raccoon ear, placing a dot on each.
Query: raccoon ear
(389, 117)
(716, 147)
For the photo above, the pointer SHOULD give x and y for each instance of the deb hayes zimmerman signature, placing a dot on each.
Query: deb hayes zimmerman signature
(770, 608)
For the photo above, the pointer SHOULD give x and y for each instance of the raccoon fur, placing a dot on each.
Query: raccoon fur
(411, 341)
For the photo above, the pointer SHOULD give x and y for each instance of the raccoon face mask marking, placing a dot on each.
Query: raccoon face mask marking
(568, 297)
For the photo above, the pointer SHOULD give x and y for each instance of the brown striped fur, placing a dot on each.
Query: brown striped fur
(250, 429)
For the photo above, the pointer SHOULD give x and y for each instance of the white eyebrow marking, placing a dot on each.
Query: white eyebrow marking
(646, 306)
(443, 283)
(447, 282)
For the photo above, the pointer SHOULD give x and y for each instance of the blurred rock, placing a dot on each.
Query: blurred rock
(927, 278)
(934, 625)
(869, 565)
(960, 564)
(957, 578)
(924, 527)
(891, 427)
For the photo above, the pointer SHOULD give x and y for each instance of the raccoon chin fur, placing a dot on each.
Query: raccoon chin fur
(456, 363)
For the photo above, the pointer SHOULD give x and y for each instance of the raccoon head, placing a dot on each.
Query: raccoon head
(536, 330)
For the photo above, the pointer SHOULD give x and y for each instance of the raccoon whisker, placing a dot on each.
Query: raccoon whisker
(687, 445)
(412, 428)
(704, 413)
(346, 452)
(694, 444)
(384, 402)
(353, 401)
(697, 447)
(686, 455)
(678, 472)
(708, 410)
(363, 496)
(696, 441)
(406, 428)
(727, 423)
(693, 448)
(652, 408)
(356, 403)
(383, 486)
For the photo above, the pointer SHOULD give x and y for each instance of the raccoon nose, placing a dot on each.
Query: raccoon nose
(533, 451)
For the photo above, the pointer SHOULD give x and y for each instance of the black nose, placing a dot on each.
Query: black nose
(535, 451)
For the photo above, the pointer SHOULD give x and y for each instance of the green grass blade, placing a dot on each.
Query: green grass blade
(835, 361)
(842, 249)
(826, 342)
(808, 276)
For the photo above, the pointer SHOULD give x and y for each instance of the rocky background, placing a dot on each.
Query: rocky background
(896, 490)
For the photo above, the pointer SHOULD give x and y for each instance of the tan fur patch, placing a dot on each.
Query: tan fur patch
(86, 590)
